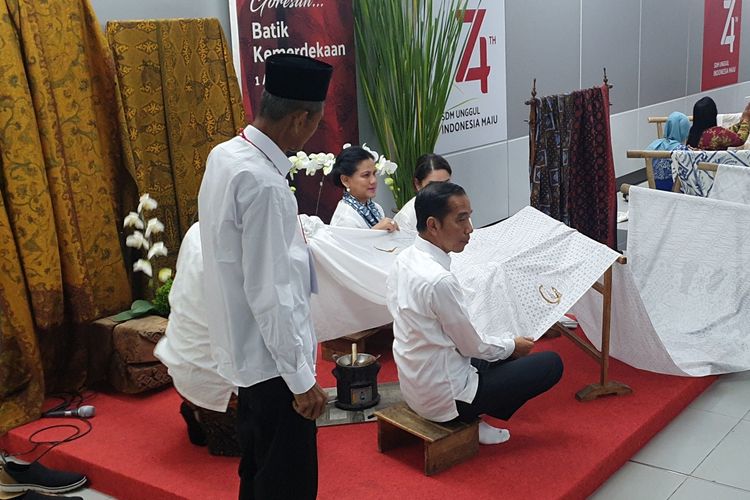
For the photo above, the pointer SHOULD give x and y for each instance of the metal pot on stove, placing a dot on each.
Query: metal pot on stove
(357, 383)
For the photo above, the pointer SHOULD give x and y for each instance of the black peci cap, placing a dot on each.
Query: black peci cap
(297, 77)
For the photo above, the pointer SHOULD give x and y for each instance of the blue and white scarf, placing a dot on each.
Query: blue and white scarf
(368, 211)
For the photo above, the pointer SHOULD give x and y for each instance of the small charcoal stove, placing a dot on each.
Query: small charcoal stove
(356, 385)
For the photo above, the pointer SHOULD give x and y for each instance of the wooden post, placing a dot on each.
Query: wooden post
(605, 387)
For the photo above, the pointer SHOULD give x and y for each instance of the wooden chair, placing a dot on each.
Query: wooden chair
(649, 157)
(708, 167)
(660, 121)
(445, 444)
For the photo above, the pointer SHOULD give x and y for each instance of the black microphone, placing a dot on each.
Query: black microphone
(85, 411)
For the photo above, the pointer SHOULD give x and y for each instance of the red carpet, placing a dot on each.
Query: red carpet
(559, 448)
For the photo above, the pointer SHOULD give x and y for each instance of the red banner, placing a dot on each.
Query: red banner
(721, 43)
(324, 30)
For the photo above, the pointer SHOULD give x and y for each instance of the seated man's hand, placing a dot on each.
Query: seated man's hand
(312, 403)
(524, 345)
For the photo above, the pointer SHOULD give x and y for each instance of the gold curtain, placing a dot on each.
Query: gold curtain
(61, 263)
(179, 98)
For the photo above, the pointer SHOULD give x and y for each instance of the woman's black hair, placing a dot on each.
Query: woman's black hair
(347, 161)
(704, 117)
(428, 163)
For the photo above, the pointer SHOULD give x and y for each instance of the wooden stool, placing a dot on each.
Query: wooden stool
(445, 444)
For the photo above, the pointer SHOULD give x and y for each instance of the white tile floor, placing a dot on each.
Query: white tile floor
(701, 454)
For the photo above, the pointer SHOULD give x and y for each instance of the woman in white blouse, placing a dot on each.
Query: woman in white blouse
(430, 168)
(354, 171)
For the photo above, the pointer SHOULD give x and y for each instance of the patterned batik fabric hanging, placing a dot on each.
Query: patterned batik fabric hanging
(549, 183)
(592, 201)
(179, 98)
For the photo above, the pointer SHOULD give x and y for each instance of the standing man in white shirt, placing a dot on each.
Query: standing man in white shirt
(258, 279)
(445, 368)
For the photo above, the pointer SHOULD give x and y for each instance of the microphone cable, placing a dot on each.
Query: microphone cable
(76, 432)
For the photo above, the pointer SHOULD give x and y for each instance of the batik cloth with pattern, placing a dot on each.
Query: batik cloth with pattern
(720, 138)
(61, 264)
(179, 98)
(592, 198)
(551, 160)
(700, 182)
(572, 176)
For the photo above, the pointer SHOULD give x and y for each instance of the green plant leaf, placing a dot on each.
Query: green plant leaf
(406, 73)
(142, 307)
(123, 316)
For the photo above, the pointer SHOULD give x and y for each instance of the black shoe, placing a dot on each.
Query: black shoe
(36, 477)
(33, 495)
(194, 428)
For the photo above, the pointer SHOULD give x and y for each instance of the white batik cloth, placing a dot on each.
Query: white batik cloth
(501, 270)
(351, 267)
(682, 303)
(699, 182)
(508, 269)
(732, 183)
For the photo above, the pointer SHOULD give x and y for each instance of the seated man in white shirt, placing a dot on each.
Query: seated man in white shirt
(445, 369)
(208, 406)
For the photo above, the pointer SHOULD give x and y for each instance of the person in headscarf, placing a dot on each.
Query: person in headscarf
(675, 133)
(705, 134)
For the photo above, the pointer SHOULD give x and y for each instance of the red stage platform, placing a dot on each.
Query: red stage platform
(559, 447)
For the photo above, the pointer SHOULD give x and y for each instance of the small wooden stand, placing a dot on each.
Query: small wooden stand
(605, 387)
(445, 444)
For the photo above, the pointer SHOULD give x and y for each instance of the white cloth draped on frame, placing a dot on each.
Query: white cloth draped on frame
(682, 303)
(731, 183)
(502, 270)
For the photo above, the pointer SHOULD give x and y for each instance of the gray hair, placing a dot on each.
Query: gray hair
(275, 108)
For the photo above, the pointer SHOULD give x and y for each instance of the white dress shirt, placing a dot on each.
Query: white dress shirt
(257, 266)
(406, 218)
(185, 348)
(433, 338)
(346, 216)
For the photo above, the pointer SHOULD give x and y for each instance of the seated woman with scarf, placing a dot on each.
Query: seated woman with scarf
(705, 134)
(354, 171)
(675, 134)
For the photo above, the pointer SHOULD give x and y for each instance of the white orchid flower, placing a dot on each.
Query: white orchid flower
(133, 220)
(146, 203)
(164, 274)
(144, 266)
(389, 167)
(157, 249)
(375, 154)
(311, 167)
(154, 226)
(136, 240)
(347, 145)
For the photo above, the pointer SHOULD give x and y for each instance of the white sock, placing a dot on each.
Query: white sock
(492, 435)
